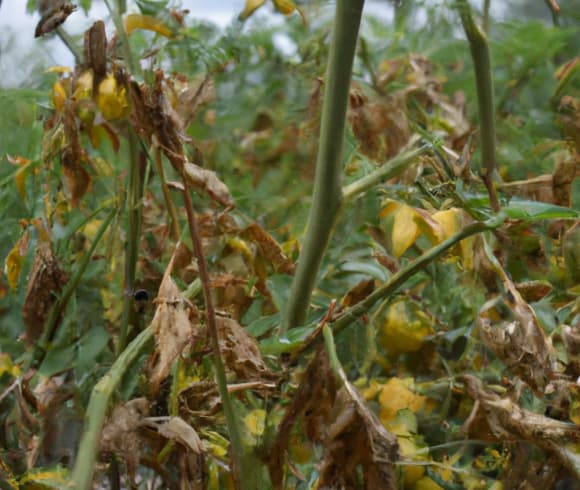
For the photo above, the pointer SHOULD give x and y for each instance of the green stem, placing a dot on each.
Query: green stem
(327, 195)
(331, 351)
(117, 15)
(61, 303)
(391, 169)
(82, 475)
(479, 47)
(398, 279)
(485, 17)
(241, 471)
(134, 196)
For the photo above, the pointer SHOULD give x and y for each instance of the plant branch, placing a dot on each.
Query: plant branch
(391, 169)
(239, 469)
(82, 475)
(134, 197)
(398, 279)
(479, 47)
(327, 195)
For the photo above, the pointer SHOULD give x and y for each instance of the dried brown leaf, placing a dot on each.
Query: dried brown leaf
(209, 182)
(95, 52)
(509, 327)
(172, 328)
(45, 282)
(53, 19)
(120, 434)
(240, 352)
(350, 433)
(178, 430)
(269, 248)
(509, 422)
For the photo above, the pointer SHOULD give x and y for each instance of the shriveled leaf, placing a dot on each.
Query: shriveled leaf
(269, 248)
(45, 283)
(14, 260)
(509, 327)
(45, 479)
(240, 352)
(178, 430)
(148, 23)
(208, 181)
(172, 328)
(508, 421)
(54, 18)
(120, 432)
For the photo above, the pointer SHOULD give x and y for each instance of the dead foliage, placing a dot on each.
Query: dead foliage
(174, 327)
(53, 18)
(509, 327)
(240, 352)
(45, 283)
(509, 422)
(339, 420)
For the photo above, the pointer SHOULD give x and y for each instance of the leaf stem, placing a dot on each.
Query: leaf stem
(398, 279)
(134, 197)
(327, 195)
(390, 169)
(239, 469)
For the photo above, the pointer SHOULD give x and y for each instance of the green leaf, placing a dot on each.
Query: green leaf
(293, 340)
(534, 210)
(263, 325)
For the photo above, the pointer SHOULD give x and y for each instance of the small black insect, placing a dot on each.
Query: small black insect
(141, 297)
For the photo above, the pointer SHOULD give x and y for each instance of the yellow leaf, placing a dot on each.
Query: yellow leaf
(58, 96)
(13, 262)
(250, 7)
(450, 220)
(146, 22)
(59, 69)
(111, 99)
(20, 180)
(405, 230)
(404, 328)
(255, 421)
(427, 483)
(7, 366)
(396, 395)
(285, 7)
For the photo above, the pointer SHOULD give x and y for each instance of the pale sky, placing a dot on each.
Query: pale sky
(18, 46)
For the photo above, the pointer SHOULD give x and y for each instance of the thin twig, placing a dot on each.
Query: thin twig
(238, 469)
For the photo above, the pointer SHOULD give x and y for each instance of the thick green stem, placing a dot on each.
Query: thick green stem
(485, 17)
(82, 475)
(134, 196)
(391, 169)
(327, 196)
(482, 66)
(241, 471)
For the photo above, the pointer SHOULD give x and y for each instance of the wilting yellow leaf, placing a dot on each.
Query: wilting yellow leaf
(397, 395)
(147, 22)
(7, 366)
(255, 422)
(286, 7)
(450, 220)
(14, 260)
(112, 99)
(59, 69)
(404, 328)
(405, 230)
(250, 7)
(58, 96)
